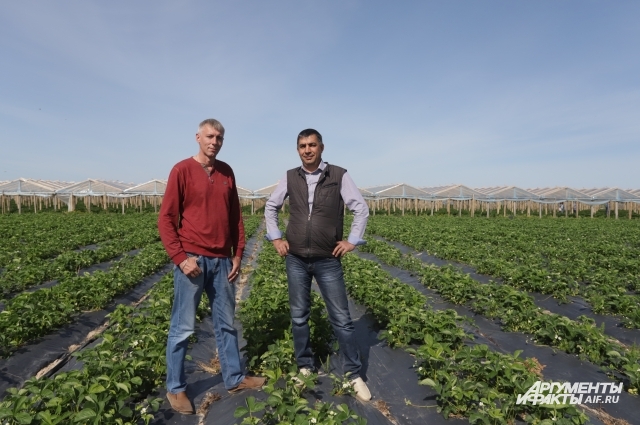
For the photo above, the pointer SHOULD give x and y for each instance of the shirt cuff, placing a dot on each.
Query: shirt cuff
(356, 241)
(276, 234)
(238, 252)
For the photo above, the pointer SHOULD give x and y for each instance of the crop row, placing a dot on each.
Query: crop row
(518, 313)
(471, 381)
(599, 260)
(20, 274)
(41, 236)
(116, 377)
(33, 314)
(266, 325)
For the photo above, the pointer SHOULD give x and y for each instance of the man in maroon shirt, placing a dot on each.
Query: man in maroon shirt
(200, 225)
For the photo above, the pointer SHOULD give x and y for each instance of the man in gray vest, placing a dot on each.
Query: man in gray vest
(318, 193)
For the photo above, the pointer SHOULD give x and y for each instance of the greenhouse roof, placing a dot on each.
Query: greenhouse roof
(512, 193)
(23, 186)
(91, 187)
(244, 192)
(266, 191)
(399, 190)
(611, 194)
(456, 191)
(559, 193)
(152, 187)
(365, 193)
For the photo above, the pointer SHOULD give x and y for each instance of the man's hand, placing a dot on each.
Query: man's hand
(235, 269)
(190, 267)
(342, 248)
(281, 246)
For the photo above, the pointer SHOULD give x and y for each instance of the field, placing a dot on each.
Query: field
(479, 309)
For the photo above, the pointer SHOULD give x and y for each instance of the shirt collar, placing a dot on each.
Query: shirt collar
(320, 168)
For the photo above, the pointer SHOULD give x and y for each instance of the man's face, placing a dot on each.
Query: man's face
(210, 141)
(310, 151)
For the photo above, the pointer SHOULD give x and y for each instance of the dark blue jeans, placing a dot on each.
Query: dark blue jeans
(187, 293)
(330, 279)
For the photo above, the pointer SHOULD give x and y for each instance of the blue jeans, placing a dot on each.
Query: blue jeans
(330, 279)
(187, 293)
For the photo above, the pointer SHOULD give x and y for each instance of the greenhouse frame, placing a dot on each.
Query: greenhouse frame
(35, 195)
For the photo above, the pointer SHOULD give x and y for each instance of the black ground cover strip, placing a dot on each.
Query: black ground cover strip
(576, 306)
(559, 366)
(31, 358)
(104, 266)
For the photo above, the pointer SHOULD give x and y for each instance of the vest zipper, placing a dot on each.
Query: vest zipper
(315, 194)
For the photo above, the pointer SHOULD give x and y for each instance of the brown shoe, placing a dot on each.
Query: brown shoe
(249, 382)
(180, 403)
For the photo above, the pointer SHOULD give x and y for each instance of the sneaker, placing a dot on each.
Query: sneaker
(249, 383)
(180, 403)
(361, 389)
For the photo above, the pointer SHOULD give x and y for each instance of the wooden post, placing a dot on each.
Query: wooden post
(616, 207)
(433, 203)
(629, 208)
(122, 202)
(448, 206)
(402, 206)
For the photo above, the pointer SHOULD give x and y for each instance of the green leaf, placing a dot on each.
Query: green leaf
(428, 381)
(23, 418)
(136, 380)
(96, 388)
(122, 386)
(240, 412)
(84, 414)
(126, 412)
(5, 412)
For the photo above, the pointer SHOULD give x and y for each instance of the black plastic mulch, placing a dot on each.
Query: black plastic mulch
(575, 307)
(104, 266)
(389, 374)
(559, 366)
(31, 358)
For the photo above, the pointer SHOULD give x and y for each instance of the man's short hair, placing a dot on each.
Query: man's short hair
(309, 132)
(213, 123)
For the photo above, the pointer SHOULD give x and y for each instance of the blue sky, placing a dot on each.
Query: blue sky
(483, 93)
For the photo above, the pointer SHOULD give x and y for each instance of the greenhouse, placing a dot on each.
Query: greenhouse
(34, 195)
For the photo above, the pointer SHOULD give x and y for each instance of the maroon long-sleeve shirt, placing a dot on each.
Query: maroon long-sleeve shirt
(201, 214)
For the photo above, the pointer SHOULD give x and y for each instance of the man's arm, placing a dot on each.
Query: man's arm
(355, 202)
(237, 231)
(271, 209)
(169, 217)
